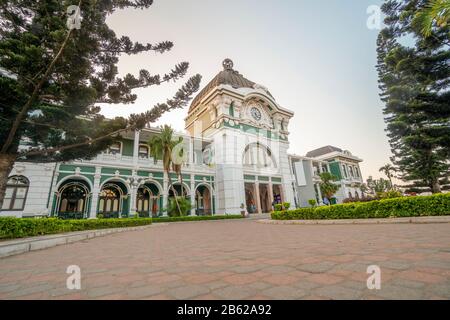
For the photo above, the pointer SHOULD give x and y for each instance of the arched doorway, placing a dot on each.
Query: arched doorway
(203, 200)
(113, 200)
(180, 190)
(148, 200)
(73, 199)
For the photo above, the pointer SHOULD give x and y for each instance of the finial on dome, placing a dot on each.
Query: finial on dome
(227, 64)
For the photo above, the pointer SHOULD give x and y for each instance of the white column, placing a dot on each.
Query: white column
(192, 195)
(319, 194)
(51, 209)
(165, 193)
(133, 195)
(271, 194)
(95, 193)
(191, 150)
(320, 167)
(258, 199)
(136, 149)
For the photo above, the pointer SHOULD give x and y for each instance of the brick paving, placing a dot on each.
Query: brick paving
(240, 260)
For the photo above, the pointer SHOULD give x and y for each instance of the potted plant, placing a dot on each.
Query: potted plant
(243, 211)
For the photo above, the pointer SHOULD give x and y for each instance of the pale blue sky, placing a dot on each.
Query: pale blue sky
(317, 57)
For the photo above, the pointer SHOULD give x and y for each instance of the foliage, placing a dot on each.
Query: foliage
(434, 205)
(196, 218)
(182, 208)
(389, 170)
(312, 202)
(163, 147)
(414, 77)
(436, 14)
(327, 186)
(27, 227)
(282, 206)
(378, 186)
(278, 207)
(390, 194)
(360, 199)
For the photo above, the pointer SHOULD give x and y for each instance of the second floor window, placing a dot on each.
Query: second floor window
(114, 148)
(143, 151)
(344, 170)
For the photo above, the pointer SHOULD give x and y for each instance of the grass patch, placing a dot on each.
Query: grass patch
(434, 205)
(197, 218)
(11, 227)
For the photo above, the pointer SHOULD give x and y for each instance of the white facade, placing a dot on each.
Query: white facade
(236, 143)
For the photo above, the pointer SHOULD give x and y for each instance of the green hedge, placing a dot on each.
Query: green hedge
(20, 227)
(434, 205)
(197, 218)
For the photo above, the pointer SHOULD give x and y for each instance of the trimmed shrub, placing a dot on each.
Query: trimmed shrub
(361, 199)
(11, 227)
(197, 218)
(286, 205)
(390, 194)
(312, 202)
(278, 207)
(434, 205)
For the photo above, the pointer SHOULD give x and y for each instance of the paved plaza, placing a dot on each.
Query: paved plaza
(240, 259)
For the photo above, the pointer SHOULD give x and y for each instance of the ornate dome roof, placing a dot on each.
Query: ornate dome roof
(227, 76)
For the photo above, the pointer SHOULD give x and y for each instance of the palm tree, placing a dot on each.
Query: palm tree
(388, 170)
(435, 12)
(161, 147)
(327, 186)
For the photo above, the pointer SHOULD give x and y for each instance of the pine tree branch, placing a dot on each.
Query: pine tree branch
(34, 95)
(135, 121)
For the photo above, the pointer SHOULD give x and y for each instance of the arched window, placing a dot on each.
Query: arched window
(115, 148)
(143, 200)
(356, 195)
(16, 193)
(350, 195)
(356, 172)
(344, 169)
(351, 171)
(73, 197)
(143, 151)
(258, 156)
(110, 199)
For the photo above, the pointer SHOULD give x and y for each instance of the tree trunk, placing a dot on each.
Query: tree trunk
(435, 187)
(6, 165)
(174, 193)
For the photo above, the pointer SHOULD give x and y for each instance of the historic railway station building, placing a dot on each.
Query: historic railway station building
(236, 141)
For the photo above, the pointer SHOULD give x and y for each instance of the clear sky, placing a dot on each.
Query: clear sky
(317, 58)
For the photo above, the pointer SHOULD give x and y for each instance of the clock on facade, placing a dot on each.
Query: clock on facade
(256, 114)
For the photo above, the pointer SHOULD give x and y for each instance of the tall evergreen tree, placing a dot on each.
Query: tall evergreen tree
(53, 75)
(414, 77)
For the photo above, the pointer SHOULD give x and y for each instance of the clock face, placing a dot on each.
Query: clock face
(256, 114)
